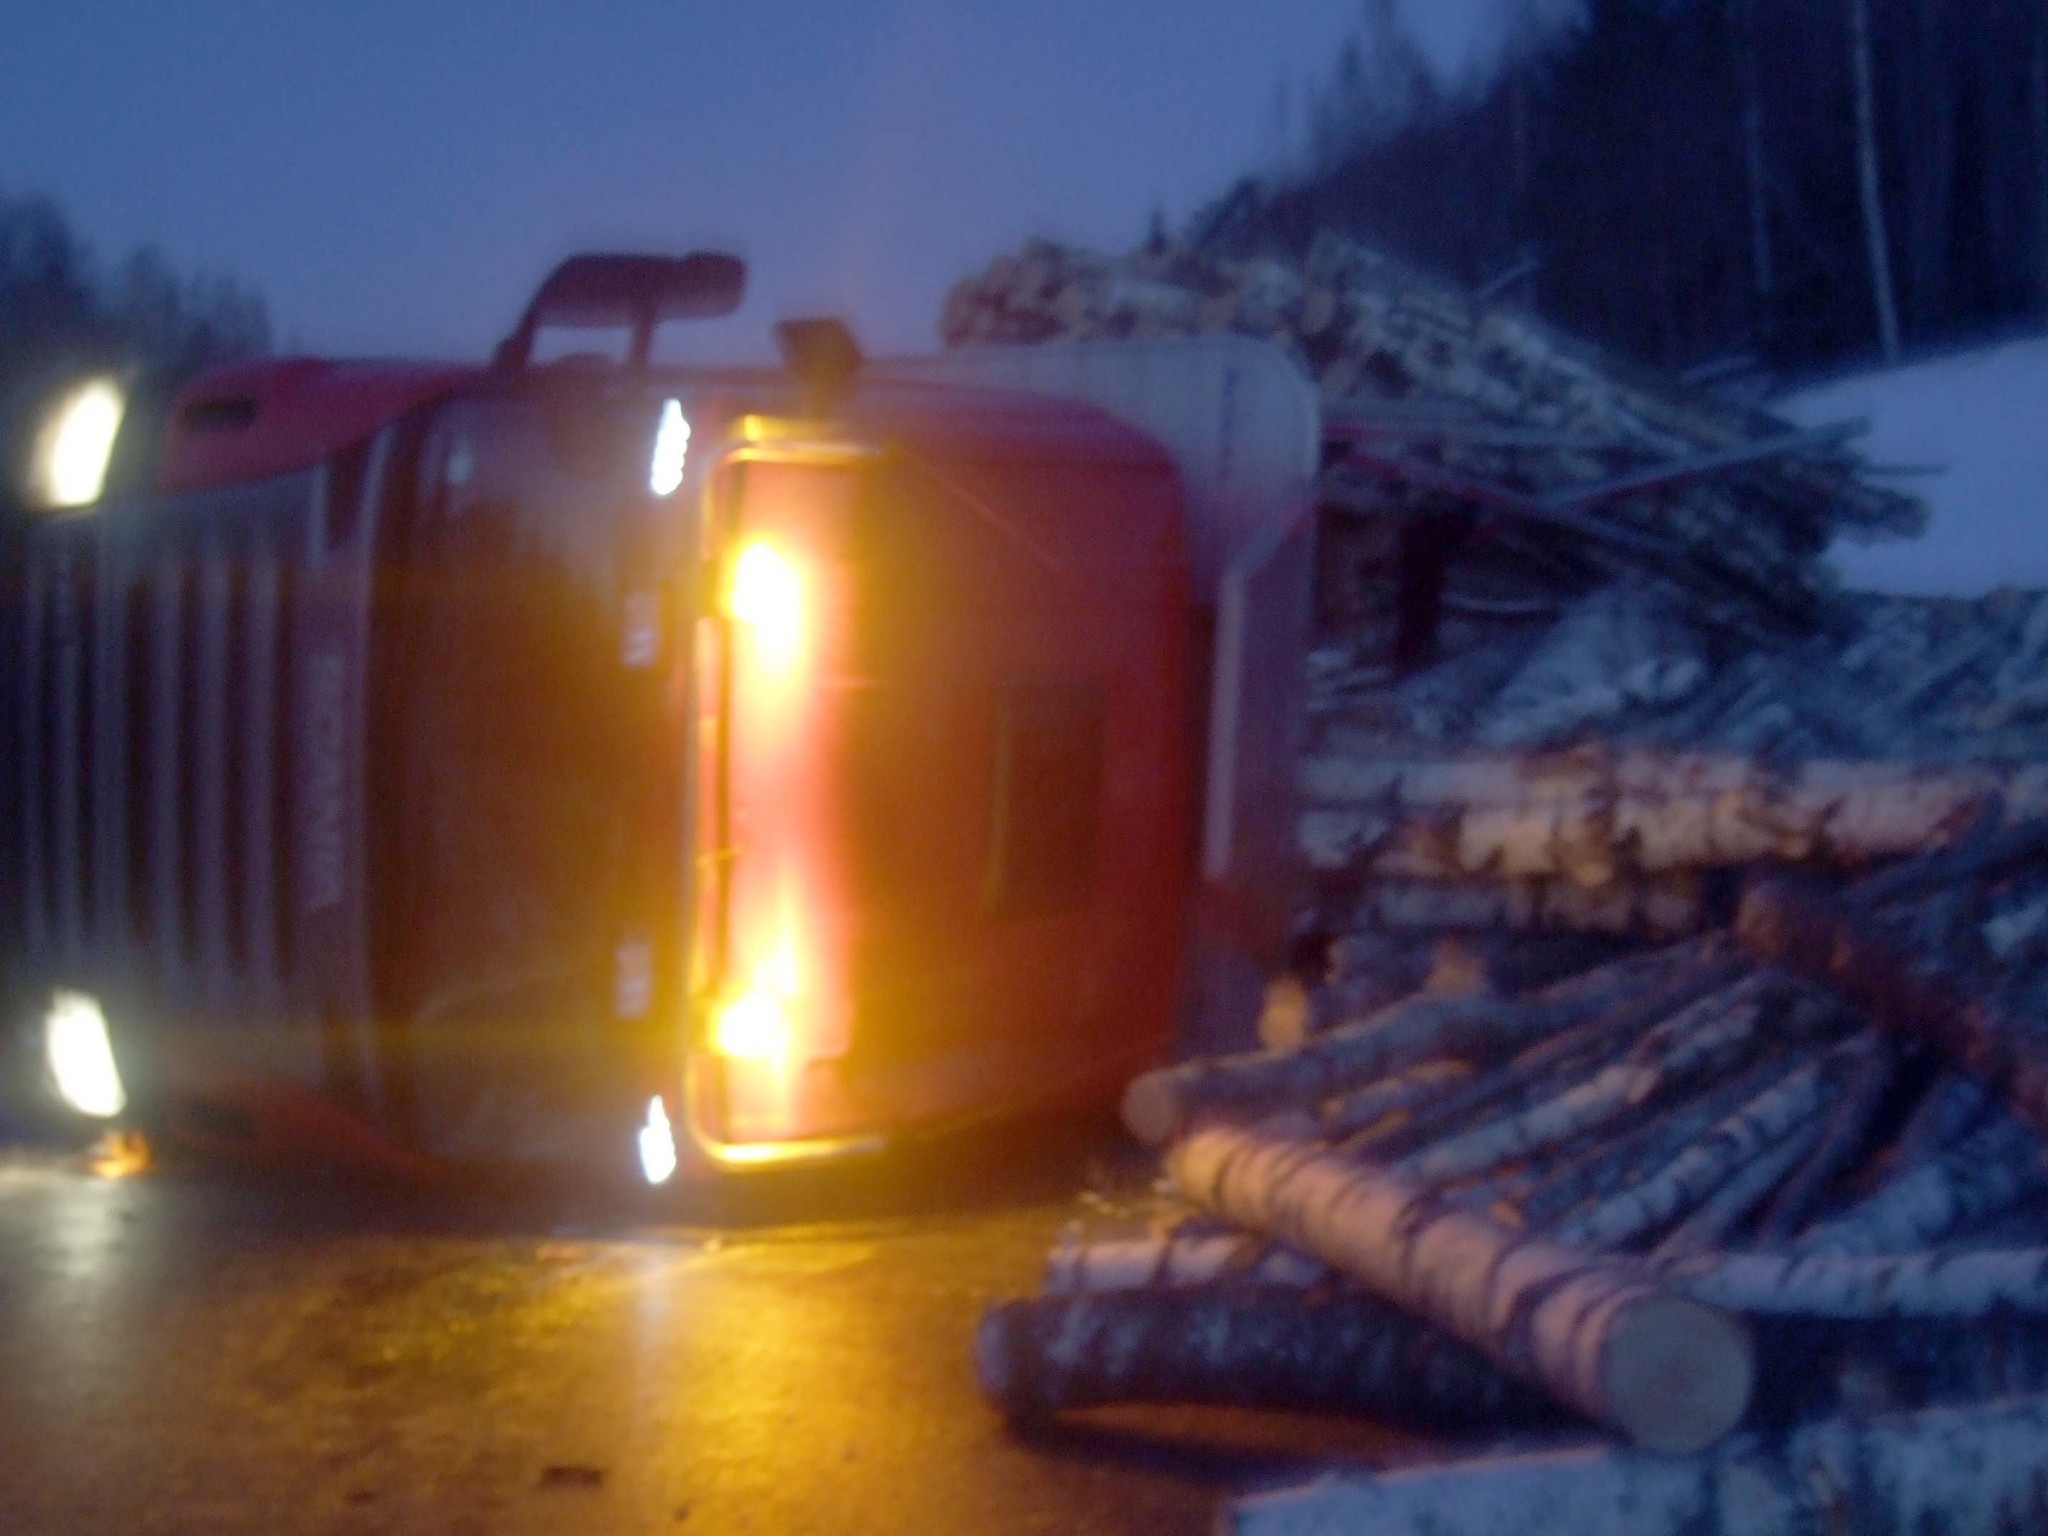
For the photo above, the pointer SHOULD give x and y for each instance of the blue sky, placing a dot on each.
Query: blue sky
(396, 176)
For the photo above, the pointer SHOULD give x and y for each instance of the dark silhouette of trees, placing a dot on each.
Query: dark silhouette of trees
(1791, 179)
(62, 313)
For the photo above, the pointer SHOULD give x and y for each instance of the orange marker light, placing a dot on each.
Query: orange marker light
(766, 593)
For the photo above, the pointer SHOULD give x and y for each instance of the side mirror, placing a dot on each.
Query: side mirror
(640, 292)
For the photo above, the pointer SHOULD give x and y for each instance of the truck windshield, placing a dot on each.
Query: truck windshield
(524, 742)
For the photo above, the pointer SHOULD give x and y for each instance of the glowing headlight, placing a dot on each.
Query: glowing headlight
(671, 449)
(77, 441)
(657, 1144)
(81, 1056)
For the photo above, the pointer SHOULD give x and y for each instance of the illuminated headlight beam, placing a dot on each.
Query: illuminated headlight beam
(671, 450)
(81, 1056)
(76, 445)
(657, 1144)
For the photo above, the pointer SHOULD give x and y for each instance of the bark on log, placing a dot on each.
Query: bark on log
(1616, 1021)
(1988, 1172)
(1976, 1471)
(1707, 1034)
(1837, 1148)
(1367, 1106)
(1247, 1346)
(1169, 1260)
(1629, 1159)
(1596, 816)
(1730, 1205)
(1659, 907)
(1159, 1105)
(1963, 1283)
(1814, 932)
(1667, 1372)
(1690, 1177)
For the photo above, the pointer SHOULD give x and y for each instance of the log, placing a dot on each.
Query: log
(1953, 1103)
(1159, 1105)
(1958, 1283)
(1705, 1035)
(1244, 1346)
(1658, 907)
(1730, 1205)
(1836, 1149)
(1975, 1471)
(1367, 1106)
(1592, 1332)
(1170, 1260)
(1628, 1159)
(1694, 1174)
(1814, 932)
(1700, 972)
(1596, 816)
(1988, 1172)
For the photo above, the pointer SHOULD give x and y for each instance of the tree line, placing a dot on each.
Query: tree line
(1801, 181)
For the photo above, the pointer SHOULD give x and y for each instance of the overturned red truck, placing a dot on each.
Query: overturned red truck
(578, 758)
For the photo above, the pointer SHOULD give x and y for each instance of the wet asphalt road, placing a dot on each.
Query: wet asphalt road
(184, 1352)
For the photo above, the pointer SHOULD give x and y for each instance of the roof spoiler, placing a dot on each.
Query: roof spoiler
(640, 292)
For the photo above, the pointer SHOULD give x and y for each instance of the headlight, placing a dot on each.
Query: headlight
(77, 441)
(671, 450)
(81, 1056)
(657, 1144)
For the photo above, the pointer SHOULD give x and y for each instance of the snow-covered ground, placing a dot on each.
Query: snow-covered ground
(1983, 417)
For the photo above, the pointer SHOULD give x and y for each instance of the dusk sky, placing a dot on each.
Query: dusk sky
(395, 177)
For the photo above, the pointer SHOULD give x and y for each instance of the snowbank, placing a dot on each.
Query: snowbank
(1983, 417)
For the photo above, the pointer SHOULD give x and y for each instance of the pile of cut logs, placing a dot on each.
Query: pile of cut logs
(1760, 1178)
(1673, 1063)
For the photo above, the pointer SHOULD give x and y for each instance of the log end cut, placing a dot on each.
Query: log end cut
(1152, 1108)
(1677, 1374)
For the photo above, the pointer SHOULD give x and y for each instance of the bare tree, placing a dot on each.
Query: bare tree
(1744, 17)
(1869, 184)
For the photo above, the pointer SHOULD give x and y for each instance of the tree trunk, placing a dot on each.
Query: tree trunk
(1965, 1283)
(1246, 1346)
(1706, 1035)
(1135, 1263)
(1695, 1173)
(1667, 1372)
(1599, 817)
(1730, 1205)
(1869, 183)
(1761, 275)
(1813, 932)
(1838, 1146)
(1988, 1172)
(1159, 1105)
(1976, 1471)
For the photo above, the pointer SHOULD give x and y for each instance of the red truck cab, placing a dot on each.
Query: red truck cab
(556, 762)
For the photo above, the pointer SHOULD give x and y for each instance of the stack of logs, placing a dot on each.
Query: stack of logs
(1777, 1172)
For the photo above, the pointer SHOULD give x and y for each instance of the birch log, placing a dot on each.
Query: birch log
(1730, 1205)
(1596, 816)
(1246, 1346)
(1814, 932)
(1159, 1105)
(1690, 1177)
(1976, 1471)
(1701, 1036)
(1628, 1159)
(1169, 1260)
(1626, 1017)
(1965, 1283)
(1987, 1172)
(1594, 1333)
(1837, 1147)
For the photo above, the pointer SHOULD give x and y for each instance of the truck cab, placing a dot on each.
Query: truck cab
(615, 765)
